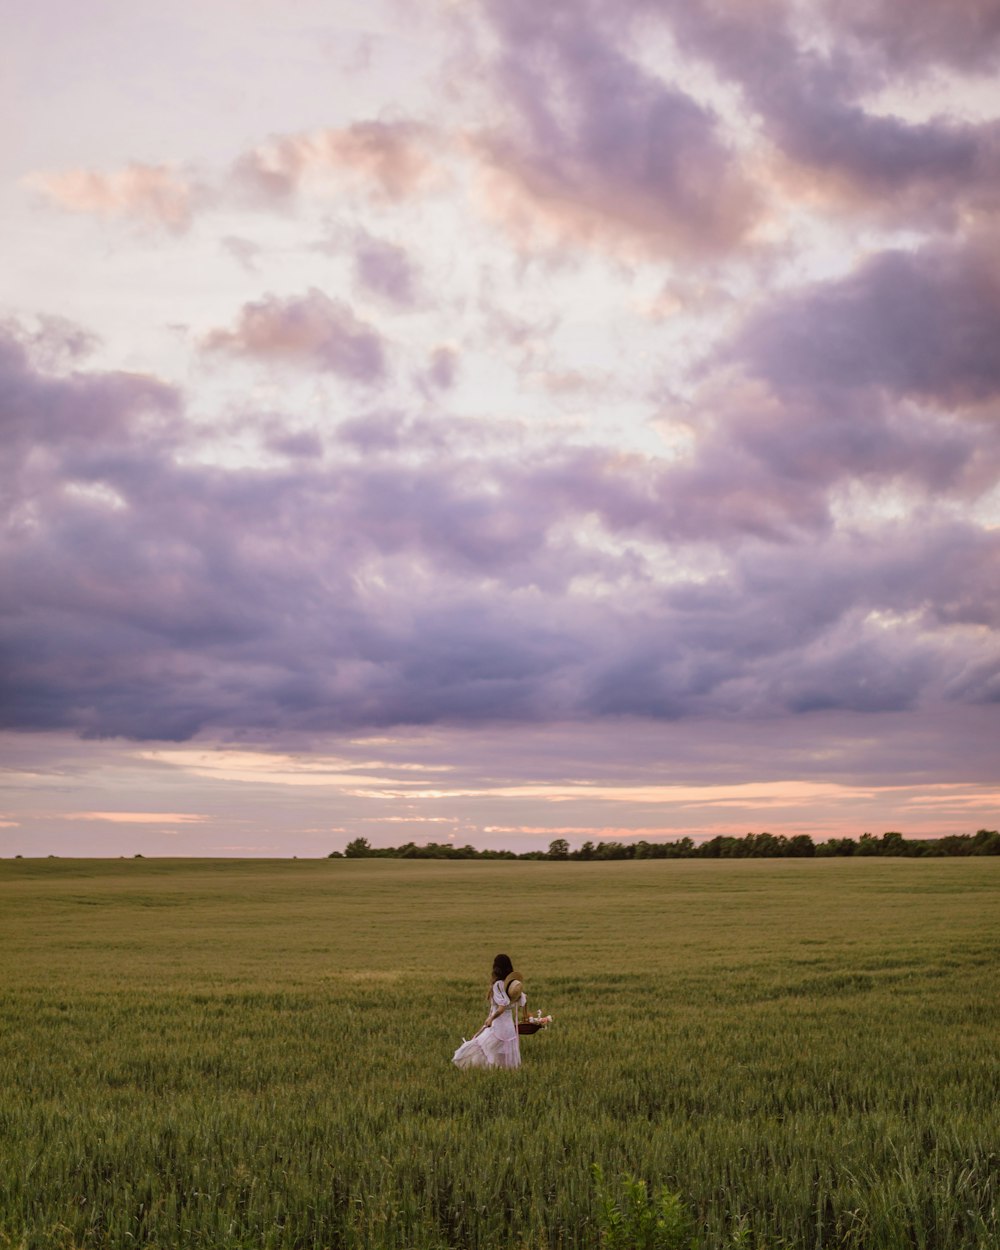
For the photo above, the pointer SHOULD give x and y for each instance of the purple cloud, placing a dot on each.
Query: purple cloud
(51, 419)
(443, 368)
(810, 106)
(597, 148)
(964, 34)
(414, 581)
(310, 330)
(885, 376)
(296, 444)
(922, 323)
(410, 566)
(385, 269)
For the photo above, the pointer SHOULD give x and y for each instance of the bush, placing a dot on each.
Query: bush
(639, 1222)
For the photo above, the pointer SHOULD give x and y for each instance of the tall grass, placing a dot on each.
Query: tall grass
(257, 1054)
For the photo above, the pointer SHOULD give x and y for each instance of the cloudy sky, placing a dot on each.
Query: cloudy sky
(490, 420)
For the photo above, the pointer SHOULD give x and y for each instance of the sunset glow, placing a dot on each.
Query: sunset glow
(498, 421)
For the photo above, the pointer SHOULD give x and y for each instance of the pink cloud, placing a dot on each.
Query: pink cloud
(391, 160)
(311, 330)
(155, 194)
(388, 160)
(139, 818)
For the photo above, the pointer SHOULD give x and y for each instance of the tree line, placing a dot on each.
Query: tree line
(750, 846)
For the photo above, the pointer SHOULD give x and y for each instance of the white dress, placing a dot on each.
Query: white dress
(500, 1042)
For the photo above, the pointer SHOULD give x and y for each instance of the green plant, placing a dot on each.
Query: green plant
(252, 1053)
(740, 1234)
(637, 1221)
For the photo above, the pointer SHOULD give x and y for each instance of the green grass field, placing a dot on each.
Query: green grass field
(241, 1053)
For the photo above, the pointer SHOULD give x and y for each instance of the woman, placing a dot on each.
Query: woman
(498, 1037)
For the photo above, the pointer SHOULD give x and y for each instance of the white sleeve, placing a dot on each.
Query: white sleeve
(500, 995)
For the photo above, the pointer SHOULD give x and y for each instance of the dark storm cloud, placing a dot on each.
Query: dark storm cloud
(411, 576)
(311, 330)
(856, 629)
(599, 149)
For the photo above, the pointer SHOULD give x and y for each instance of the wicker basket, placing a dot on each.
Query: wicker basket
(529, 1027)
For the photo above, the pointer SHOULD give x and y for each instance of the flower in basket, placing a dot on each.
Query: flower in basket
(532, 1024)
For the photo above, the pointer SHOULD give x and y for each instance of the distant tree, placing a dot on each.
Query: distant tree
(336, 855)
(837, 846)
(723, 846)
(764, 845)
(613, 850)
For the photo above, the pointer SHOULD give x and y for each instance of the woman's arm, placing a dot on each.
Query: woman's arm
(500, 1002)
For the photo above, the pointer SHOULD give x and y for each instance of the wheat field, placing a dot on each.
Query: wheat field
(257, 1053)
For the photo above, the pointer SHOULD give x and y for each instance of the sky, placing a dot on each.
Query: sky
(490, 421)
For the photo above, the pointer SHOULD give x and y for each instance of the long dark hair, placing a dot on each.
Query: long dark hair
(502, 967)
